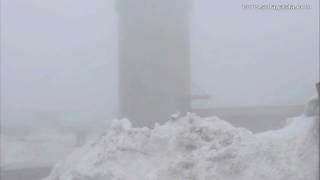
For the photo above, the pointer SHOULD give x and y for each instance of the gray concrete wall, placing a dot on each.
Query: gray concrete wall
(154, 61)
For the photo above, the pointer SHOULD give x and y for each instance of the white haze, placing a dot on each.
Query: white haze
(59, 58)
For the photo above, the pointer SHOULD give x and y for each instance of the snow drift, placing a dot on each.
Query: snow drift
(195, 148)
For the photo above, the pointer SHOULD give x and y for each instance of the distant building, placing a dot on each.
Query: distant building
(154, 60)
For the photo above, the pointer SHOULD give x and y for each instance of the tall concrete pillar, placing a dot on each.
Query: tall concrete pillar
(154, 60)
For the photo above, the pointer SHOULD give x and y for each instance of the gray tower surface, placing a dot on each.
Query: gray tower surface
(154, 61)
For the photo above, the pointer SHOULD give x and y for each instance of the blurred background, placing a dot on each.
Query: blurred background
(69, 67)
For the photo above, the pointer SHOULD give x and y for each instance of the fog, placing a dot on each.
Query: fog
(59, 59)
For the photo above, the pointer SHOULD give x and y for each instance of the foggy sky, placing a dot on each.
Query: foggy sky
(60, 57)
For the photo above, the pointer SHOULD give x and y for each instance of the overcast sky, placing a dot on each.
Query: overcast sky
(60, 56)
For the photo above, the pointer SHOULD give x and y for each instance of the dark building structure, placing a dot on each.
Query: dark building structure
(154, 61)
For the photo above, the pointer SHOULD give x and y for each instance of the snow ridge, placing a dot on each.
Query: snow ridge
(195, 148)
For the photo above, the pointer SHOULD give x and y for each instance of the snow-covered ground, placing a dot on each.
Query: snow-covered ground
(195, 148)
(41, 148)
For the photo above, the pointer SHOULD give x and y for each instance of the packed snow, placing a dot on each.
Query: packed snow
(195, 148)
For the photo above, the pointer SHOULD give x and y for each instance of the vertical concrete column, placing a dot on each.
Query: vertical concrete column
(154, 60)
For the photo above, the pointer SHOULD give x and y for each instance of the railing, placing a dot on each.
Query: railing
(257, 119)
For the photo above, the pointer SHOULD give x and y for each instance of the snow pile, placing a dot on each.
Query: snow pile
(312, 108)
(194, 148)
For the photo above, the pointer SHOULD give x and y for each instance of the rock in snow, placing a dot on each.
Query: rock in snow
(195, 148)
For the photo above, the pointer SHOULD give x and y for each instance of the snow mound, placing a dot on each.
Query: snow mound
(195, 148)
(312, 108)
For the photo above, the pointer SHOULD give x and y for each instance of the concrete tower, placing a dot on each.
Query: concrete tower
(154, 61)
